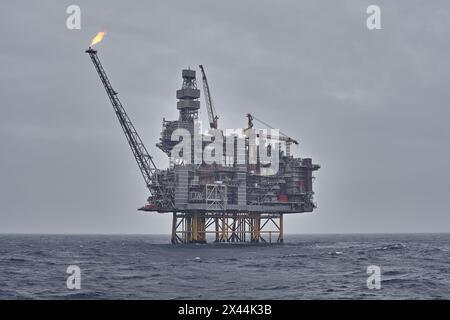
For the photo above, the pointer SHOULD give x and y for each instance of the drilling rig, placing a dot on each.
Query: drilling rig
(230, 200)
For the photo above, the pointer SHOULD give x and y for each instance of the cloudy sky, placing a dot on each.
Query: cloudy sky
(371, 107)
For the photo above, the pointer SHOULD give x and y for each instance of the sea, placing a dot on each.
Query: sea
(355, 266)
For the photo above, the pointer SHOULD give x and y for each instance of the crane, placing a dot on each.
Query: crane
(283, 137)
(213, 117)
(143, 158)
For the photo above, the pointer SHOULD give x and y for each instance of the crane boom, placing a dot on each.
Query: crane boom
(143, 159)
(209, 104)
(284, 137)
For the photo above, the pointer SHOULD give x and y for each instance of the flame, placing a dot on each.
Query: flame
(98, 38)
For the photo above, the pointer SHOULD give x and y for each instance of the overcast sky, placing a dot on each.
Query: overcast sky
(371, 107)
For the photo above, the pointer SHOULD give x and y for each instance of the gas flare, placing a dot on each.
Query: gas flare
(98, 38)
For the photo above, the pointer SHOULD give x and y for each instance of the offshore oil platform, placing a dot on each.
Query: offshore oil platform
(235, 196)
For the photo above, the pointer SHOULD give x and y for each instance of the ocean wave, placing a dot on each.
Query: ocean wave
(16, 259)
(280, 287)
(393, 273)
(335, 253)
(394, 246)
(294, 255)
